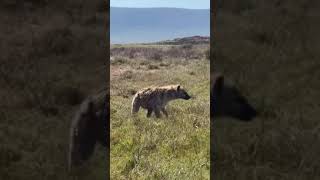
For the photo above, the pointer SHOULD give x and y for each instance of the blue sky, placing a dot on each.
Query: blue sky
(189, 4)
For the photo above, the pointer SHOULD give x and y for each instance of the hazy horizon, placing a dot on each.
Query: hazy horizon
(144, 25)
(187, 4)
(160, 7)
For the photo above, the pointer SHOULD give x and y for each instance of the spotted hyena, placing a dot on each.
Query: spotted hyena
(226, 100)
(155, 99)
(88, 127)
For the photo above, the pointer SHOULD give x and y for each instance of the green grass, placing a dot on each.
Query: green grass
(176, 147)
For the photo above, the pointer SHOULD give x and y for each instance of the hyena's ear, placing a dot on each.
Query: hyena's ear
(89, 107)
(178, 87)
(218, 86)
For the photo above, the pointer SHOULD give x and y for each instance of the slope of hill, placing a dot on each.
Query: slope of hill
(130, 25)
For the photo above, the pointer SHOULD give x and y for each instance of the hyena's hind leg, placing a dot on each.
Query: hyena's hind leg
(135, 109)
(135, 105)
(164, 111)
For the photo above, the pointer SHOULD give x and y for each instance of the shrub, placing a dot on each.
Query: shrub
(152, 66)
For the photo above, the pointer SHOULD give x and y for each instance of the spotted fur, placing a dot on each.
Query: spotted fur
(155, 99)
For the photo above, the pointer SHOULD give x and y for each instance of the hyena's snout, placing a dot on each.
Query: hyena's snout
(187, 97)
(237, 108)
(183, 94)
(248, 112)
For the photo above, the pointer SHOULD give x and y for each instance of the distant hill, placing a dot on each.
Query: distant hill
(139, 25)
(187, 40)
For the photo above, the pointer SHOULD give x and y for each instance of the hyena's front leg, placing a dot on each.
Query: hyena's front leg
(149, 112)
(157, 112)
(164, 111)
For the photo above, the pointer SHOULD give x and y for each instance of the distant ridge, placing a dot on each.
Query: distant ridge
(179, 41)
(144, 25)
(187, 40)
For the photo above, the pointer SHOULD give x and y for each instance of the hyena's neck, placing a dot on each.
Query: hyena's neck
(171, 97)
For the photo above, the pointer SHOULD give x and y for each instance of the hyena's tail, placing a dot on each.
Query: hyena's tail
(135, 104)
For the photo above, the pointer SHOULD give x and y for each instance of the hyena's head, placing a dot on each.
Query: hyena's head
(226, 100)
(181, 93)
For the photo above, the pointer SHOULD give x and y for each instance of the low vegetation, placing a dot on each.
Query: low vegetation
(176, 147)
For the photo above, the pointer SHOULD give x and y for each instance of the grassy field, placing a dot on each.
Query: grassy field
(53, 55)
(270, 50)
(176, 147)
